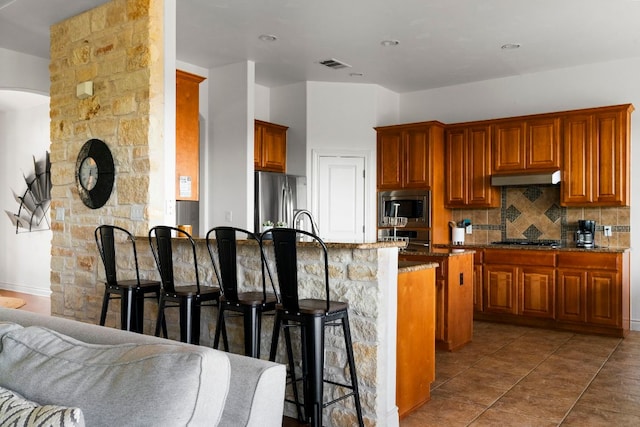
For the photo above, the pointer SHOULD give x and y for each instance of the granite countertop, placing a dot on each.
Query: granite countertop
(438, 251)
(561, 248)
(409, 266)
(330, 245)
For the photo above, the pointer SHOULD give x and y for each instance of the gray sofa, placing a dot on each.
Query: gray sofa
(126, 379)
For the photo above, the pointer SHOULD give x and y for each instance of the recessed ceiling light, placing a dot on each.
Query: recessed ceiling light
(267, 37)
(510, 46)
(387, 43)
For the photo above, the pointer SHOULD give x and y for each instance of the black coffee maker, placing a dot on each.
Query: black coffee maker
(585, 235)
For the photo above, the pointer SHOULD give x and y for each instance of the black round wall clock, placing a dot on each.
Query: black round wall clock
(95, 173)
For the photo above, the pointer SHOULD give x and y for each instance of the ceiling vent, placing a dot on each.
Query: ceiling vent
(334, 64)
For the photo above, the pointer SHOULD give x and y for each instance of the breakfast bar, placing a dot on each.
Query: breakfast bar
(365, 275)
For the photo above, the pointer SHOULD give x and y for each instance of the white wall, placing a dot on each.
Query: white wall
(288, 107)
(23, 72)
(26, 256)
(25, 259)
(594, 85)
(340, 119)
(231, 116)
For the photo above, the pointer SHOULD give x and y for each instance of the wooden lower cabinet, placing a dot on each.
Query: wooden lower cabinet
(594, 290)
(415, 354)
(500, 288)
(536, 292)
(519, 283)
(580, 291)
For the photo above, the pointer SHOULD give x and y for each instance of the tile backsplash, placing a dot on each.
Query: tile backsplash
(534, 213)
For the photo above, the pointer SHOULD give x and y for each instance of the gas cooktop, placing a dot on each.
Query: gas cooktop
(549, 243)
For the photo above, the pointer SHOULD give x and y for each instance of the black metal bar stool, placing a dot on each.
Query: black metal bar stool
(312, 316)
(130, 292)
(188, 298)
(250, 304)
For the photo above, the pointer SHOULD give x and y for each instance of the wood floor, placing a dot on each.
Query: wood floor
(518, 376)
(34, 304)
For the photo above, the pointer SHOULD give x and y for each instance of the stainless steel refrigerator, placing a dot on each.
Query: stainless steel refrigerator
(277, 196)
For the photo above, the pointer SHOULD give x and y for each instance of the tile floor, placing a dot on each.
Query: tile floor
(518, 376)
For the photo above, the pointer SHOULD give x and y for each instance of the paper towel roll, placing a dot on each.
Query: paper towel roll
(457, 236)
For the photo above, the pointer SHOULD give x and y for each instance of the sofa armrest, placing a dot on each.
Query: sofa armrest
(256, 393)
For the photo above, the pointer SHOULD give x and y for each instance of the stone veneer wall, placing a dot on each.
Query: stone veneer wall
(117, 46)
(534, 213)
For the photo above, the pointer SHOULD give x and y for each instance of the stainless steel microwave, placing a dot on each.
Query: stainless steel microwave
(415, 205)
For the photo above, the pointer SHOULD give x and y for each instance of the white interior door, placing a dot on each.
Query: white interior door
(340, 208)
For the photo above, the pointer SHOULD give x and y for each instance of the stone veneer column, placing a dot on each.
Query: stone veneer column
(118, 46)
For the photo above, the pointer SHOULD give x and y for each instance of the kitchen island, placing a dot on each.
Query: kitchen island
(416, 352)
(363, 274)
(454, 293)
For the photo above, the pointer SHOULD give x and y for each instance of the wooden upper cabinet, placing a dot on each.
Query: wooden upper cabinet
(509, 146)
(270, 148)
(531, 144)
(596, 157)
(390, 159)
(468, 167)
(406, 153)
(187, 135)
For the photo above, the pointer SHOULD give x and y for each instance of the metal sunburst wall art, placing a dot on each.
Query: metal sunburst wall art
(33, 210)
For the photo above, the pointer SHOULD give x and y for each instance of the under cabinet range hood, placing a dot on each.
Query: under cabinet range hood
(526, 179)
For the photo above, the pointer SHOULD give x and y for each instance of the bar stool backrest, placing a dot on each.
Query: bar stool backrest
(226, 269)
(163, 254)
(286, 255)
(105, 236)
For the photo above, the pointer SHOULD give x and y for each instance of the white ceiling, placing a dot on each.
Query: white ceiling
(442, 42)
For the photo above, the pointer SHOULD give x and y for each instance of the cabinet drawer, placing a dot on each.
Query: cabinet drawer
(583, 260)
(520, 257)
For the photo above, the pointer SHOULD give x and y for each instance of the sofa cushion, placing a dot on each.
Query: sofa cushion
(8, 327)
(162, 384)
(17, 411)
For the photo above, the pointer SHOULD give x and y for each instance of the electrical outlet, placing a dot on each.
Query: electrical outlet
(607, 230)
(469, 229)
(137, 212)
(228, 216)
(60, 214)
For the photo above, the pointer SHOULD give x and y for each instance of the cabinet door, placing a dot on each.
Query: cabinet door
(477, 287)
(509, 146)
(480, 192)
(500, 289)
(596, 158)
(572, 295)
(274, 149)
(542, 144)
(456, 168)
(257, 146)
(389, 158)
(416, 157)
(577, 160)
(610, 156)
(603, 298)
(537, 292)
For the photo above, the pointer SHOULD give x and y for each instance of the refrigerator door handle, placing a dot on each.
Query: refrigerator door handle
(287, 202)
